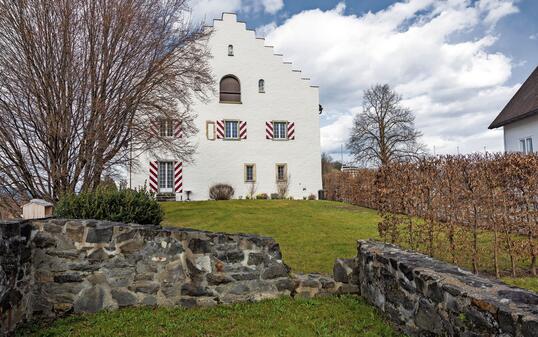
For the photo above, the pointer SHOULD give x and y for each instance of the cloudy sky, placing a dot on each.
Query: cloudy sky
(455, 62)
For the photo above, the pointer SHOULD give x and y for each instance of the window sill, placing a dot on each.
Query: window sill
(250, 181)
(230, 102)
(232, 139)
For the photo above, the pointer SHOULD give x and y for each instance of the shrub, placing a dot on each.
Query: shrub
(312, 197)
(221, 192)
(124, 205)
(262, 196)
(275, 196)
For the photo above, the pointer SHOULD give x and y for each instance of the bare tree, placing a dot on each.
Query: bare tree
(83, 81)
(384, 131)
(328, 165)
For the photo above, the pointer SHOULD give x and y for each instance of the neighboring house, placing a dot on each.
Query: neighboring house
(261, 130)
(520, 118)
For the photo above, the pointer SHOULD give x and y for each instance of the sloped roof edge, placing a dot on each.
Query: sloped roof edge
(522, 105)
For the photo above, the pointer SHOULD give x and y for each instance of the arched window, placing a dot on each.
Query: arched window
(230, 50)
(261, 86)
(230, 89)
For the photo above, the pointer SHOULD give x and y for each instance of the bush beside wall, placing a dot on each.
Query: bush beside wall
(125, 205)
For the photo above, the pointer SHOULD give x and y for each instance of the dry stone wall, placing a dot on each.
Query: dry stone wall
(431, 298)
(87, 266)
(15, 273)
(53, 267)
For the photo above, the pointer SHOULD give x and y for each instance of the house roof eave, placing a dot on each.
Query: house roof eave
(496, 125)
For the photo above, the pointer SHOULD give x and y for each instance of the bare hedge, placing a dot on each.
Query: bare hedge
(475, 210)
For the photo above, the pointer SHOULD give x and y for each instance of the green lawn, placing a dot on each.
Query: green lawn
(311, 234)
(331, 316)
(530, 283)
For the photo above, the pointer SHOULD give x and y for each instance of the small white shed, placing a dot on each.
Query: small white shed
(37, 209)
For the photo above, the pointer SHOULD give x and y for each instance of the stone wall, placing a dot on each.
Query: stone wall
(53, 267)
(86, 266)
(431, 298)
(15, 273)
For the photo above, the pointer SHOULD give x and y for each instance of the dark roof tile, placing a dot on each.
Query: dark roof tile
(523, 104)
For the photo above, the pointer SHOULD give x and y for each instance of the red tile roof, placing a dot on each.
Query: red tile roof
(523, 104)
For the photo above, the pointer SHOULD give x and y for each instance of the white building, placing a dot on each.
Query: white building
(519, 118)
(261, 129)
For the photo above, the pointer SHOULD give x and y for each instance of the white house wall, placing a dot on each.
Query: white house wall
(522, 129)
(287, 97)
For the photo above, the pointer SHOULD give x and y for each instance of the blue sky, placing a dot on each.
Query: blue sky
(455, 62)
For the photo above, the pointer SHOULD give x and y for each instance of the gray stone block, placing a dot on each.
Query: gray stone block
(99, 235)
(124, 298)
(275, 270)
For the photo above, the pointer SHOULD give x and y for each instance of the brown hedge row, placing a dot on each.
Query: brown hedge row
(475, 210)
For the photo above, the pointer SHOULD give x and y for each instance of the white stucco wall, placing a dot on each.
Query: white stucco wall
(287, 97)
(522, 129)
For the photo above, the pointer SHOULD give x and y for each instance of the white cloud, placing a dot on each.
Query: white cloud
(336, 133)
(534, 36)
(340, 8)
(273, 6)
(496, 10)
(265, 30)
(207, 10)
(435, 53)
(268, 6)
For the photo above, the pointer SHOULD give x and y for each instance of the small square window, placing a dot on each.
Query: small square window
(231, 129)
(230, 50)
(281, 172)
(250, 173)
(280, 130)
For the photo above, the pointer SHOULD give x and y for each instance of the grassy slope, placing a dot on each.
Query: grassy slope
(311, 234)
(344, 316)
(523, 282)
